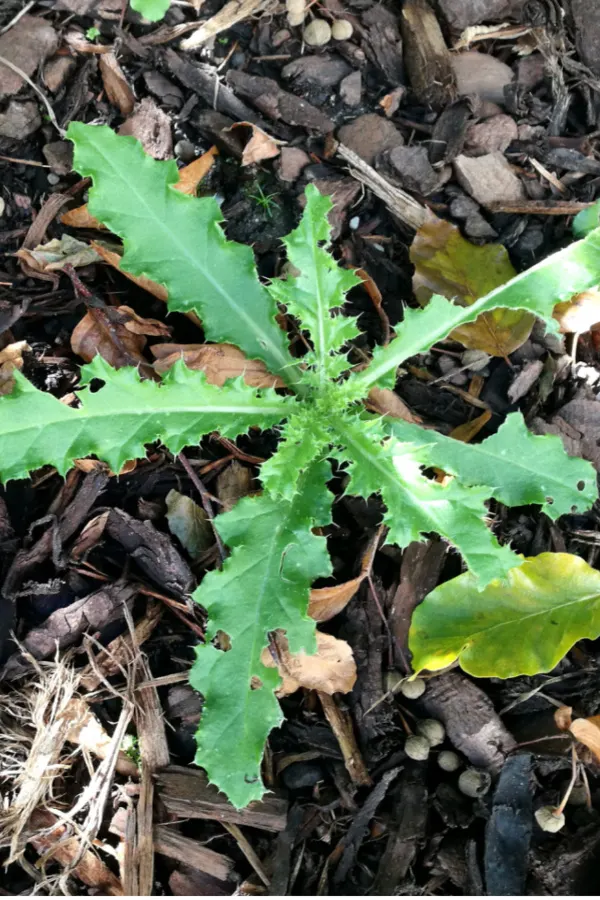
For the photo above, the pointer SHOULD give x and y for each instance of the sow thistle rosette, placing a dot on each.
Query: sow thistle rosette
(275, 552)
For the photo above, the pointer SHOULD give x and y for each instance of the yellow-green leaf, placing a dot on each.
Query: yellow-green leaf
(446, 263)
(522, 624)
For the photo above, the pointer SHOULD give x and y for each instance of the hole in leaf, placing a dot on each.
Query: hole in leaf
(573, 509)
(255, 683)
(580, 485)
(549, 500)
(96, 384)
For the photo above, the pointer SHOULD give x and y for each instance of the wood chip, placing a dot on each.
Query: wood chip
(186, 792)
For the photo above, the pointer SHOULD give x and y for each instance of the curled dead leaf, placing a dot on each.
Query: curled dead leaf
(118, 335)
(327, 602)
(80, 217)
(115, 84)
(11, 358)
(260, 146)
(584, 730)
(331, 669)
(54, 255)
(580, 313)
(191, 175)
(387, 403)
(587, 731)
(219, 361)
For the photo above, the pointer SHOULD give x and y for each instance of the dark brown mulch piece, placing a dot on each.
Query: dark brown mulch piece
(68, 512)
(153, 551)
(169, 841)
(419, 573)
(66, 626)
(186, 793)
(471, 722)
(279, 105)
(352, 840)
(202, 82)
(407, 830)
(508, 831)
(427, 59)
(383, 44)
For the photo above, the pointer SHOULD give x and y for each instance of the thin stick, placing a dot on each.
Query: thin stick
(39, 92)
(206, 504)
(19, 15)
(248, 852)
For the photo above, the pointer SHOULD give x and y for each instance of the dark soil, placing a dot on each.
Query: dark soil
(402, 827)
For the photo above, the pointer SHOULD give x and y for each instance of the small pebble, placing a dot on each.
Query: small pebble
(53, 179)
(301, 775)
(449, 761)
(341, 30)
(185, 151)
(432, 730)
(354, 223)
(317, 33)
(548, 820)
(417, 748)
(413, 689)
(474, 782)
(2, 207)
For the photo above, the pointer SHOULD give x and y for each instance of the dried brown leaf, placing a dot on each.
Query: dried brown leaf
(114, 259)
(219, 361)
(117, 334)
(56, 254)
(446, 263)
(56, 845)
(260, 146)
(80, 217)
(11, 358)
(191, 175)
(325, 603)
(580, 313)
(387, 403)
(115, 84)
(331, 669)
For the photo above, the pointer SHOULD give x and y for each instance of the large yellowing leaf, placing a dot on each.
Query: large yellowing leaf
(519, 625)
(447, 264)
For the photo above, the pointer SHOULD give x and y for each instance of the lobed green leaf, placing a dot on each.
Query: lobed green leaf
(519, 467)
(116, 422)
(176, 240)
(263, 586)
(520, 625)
(538, 290)
(416, 505)
(319, 289)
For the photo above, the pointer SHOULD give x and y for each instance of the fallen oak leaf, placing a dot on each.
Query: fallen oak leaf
(387, 403)
(80, 217)
(331, 669)
(447, 264)
(191, 175)
(218, 361)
